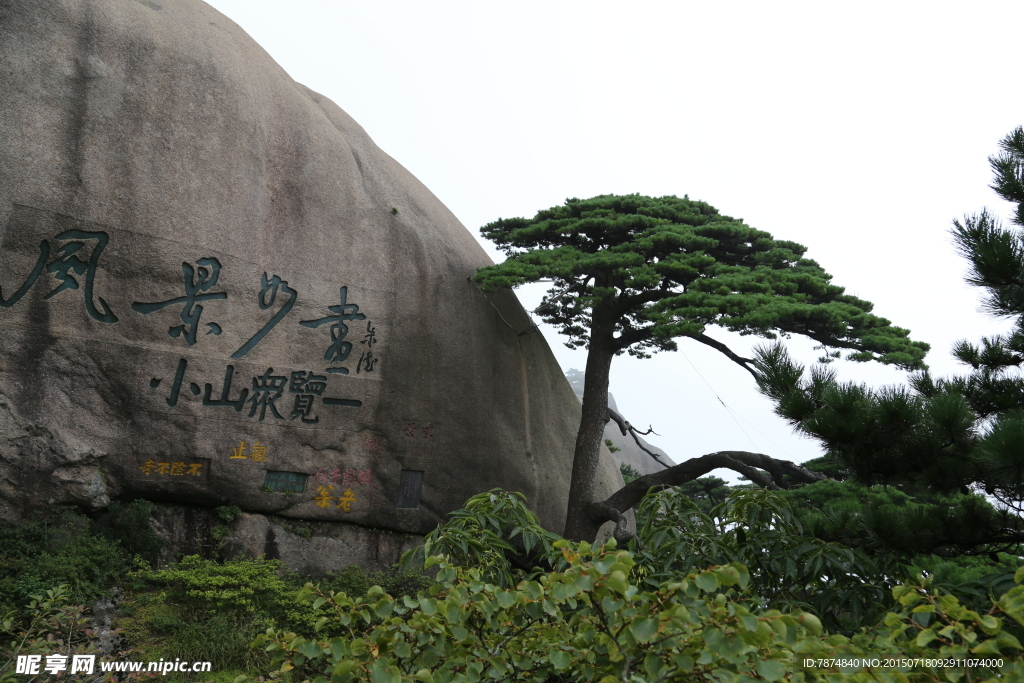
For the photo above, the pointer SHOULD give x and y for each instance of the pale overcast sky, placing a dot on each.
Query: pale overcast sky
(857, 129)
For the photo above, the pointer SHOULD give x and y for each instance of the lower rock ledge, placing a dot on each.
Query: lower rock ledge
(309, 548)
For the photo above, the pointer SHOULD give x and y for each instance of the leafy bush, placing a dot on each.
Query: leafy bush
(201, 610)
(584, 622)
(87, 564)
(52, 623)
(58, 547)
(63, 546)
(491, 531)
(128, 525)
(755, 527)
(159, 627)
(355, 582)
(789, 569)
(589, 622)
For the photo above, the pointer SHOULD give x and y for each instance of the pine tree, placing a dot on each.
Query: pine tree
(940, 435)
(633, 273)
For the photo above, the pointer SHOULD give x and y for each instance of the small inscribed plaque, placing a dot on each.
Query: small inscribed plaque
(285, 482)
(409, 489)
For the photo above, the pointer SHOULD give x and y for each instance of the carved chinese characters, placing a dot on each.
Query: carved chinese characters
(196, 251)
(217, 307)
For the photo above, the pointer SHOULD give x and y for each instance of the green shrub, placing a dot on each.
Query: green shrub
(156, 626)
(63, 546)
(128, 524)
(239, 585)
(221, 638)
(355, 582)
(229, 513)
(789, 568)
(58, 547)
(482, 535)
(589, 622)
(201, 610)
(52, 623)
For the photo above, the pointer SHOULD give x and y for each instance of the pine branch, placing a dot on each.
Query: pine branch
(627, 428)
(744, 363)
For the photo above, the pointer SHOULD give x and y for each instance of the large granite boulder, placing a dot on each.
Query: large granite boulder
(215, 288)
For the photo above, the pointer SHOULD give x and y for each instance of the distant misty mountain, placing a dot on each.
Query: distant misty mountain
(628, 452)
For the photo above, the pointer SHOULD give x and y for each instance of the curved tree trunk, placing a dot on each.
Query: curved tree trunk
(579, 524)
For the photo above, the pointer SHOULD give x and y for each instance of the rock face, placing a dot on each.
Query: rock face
(310, 548)
(215, 288)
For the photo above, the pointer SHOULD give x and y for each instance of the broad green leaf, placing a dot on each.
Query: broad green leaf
(559, 659)
(990, 624)
(311, 649)
(506, 599)
(617, 581)
(810, 622)
(428, 605)
(986, 647)
(771, 670)
(910, 597)
(653, 664)
(344, 666)
(644, 629)
(706, 581)
(1012, 603)
(382, 672)
(384, 608)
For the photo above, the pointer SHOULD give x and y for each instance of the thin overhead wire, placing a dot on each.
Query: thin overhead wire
(735, 414)
(764, 435)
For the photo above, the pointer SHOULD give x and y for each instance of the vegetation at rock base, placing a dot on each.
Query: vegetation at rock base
(54, 567)
(739, 592)
(62, 546)
(609, 614)
(50, 622)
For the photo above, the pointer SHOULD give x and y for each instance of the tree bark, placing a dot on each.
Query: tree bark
(579, 524)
